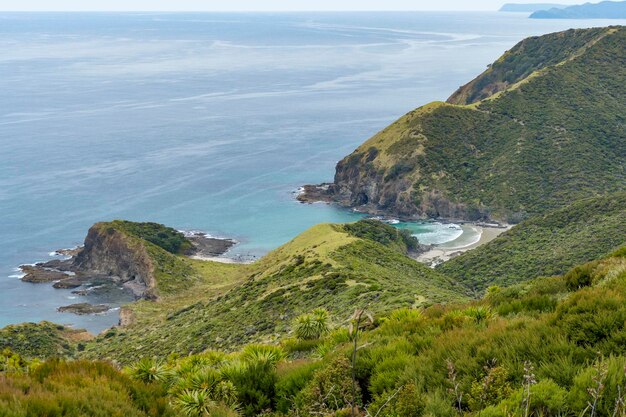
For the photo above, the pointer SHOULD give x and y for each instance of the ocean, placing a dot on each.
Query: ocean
(207, 121)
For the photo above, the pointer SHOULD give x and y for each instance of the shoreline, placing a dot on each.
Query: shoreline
(442, 253)
(221, 259)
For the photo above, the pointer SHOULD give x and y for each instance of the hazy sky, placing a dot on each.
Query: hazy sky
(254, 5)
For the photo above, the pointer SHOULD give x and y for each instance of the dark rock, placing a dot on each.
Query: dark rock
(36, 274)
(84, 308)
(209, 246)
(314, 193)
(69, 252)
(73, 282)
(109, 252)
(58, 264)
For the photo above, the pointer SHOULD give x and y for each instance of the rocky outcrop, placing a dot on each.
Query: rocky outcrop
(36, 274)
(360, 186)
(84, 308)
(109, 252)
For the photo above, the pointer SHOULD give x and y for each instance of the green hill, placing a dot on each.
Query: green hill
(549, 130)
(545, 245)
(332, 266)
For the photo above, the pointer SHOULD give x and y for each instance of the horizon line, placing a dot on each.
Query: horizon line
(249, 11)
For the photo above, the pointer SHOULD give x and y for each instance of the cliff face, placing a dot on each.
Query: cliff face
(358, 183)
(508, 145)
(108, 251)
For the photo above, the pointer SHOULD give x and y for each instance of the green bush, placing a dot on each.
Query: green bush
(164, 237)
(313, 325)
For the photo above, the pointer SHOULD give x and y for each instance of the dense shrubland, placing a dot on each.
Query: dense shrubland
(75, 389)
(549, 347)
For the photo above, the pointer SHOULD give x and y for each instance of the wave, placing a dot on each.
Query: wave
(478, 232)
(439, 234)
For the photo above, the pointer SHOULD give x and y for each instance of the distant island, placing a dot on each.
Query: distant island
(530, 8)
(603, 10)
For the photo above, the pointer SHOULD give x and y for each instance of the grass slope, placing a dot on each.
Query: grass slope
(545, 245)
(552, 133)
(236, 304)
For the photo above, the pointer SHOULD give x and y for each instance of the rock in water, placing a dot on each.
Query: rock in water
(84, 308)
(36, 274)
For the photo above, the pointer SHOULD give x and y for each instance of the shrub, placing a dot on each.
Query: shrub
(329, 390)
(403, 401)
(262, 354)
(580, 276)
(479, 314)
(546, 399)
(610, 372)
(313, 325)
(489, 390)
(148, 370)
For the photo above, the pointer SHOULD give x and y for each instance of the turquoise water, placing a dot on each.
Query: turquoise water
(206, 121)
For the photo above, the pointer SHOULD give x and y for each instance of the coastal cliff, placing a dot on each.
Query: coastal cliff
(148, 259)
(108, 251)
(506, 146)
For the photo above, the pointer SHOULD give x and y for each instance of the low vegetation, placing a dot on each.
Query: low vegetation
(168, 239)
(547, 347)
(231, 305)
(41, 340)
(545, 245)
(75, 389)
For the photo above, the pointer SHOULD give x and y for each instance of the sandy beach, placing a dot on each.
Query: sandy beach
(219, 259)
(449, 250)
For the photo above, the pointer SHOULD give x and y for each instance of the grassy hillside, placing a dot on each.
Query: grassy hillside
(545, 245)
(552, 133)
(41, 340)
(230, 305)
(548, 347)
